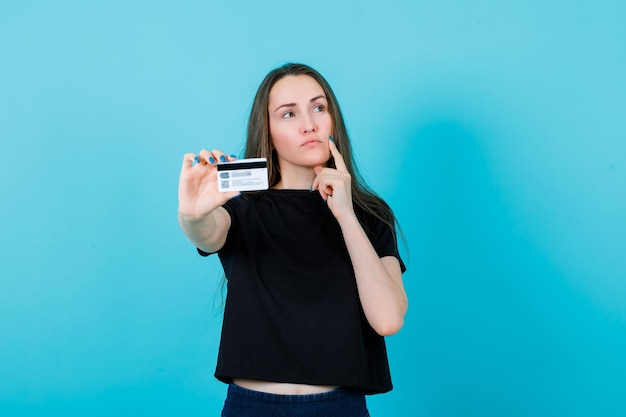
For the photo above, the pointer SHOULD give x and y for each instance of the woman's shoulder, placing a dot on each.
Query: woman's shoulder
(374, 208)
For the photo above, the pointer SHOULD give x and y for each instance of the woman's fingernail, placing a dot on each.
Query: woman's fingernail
(234, 156)
(237, 196)
(211, 160)
(311, 189)
(330, 138)
(222, 158)
(196, 160)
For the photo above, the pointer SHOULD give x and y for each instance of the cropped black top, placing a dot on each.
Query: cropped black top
(292, 310)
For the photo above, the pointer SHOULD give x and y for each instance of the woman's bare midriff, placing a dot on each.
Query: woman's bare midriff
(282, 388)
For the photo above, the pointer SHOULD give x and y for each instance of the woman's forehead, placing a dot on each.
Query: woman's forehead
(294, 89)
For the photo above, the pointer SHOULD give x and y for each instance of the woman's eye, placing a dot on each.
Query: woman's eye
(318, 108)
(287, 115)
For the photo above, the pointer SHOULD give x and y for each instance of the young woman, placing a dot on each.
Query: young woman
(312, 265)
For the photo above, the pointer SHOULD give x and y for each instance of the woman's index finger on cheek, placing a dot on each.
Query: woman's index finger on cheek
(339, 162)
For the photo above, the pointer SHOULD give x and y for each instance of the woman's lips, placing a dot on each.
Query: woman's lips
(311, 142)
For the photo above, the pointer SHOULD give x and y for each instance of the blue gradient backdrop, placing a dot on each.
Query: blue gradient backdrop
(496, 129)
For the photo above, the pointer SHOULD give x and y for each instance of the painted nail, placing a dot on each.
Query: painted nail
(234, 156)
(311, 189)
(330, 138)
(211, 160)
(222, 158)
(196, 160)
(237, 196)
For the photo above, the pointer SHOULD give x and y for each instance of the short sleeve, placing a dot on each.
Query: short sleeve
(382, 237)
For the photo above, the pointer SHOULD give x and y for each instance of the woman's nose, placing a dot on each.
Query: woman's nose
(308, 124)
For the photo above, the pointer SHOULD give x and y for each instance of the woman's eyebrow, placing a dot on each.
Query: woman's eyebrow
(284, 105)
(318, 97)
(293, 104)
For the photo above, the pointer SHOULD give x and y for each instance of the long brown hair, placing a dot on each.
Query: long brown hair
(259, 143)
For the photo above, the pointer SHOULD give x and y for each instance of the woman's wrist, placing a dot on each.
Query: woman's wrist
(348, 220)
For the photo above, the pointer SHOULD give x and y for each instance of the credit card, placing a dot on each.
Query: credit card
(242, 175)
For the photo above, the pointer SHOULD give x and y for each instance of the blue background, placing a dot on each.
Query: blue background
(495, 129)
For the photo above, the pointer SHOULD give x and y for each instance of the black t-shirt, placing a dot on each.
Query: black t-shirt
(292, 309)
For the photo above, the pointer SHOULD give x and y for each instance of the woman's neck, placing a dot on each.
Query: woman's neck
(300, 178)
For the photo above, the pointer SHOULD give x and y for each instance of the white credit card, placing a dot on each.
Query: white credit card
(242, 175)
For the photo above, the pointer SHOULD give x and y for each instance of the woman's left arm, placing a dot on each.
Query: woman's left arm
(379, 280)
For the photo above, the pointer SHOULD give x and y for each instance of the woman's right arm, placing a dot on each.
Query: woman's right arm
(200, 213)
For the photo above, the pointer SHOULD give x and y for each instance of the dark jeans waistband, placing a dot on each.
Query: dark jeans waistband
(242, 402)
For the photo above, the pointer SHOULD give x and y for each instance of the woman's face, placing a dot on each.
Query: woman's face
(300, 123)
